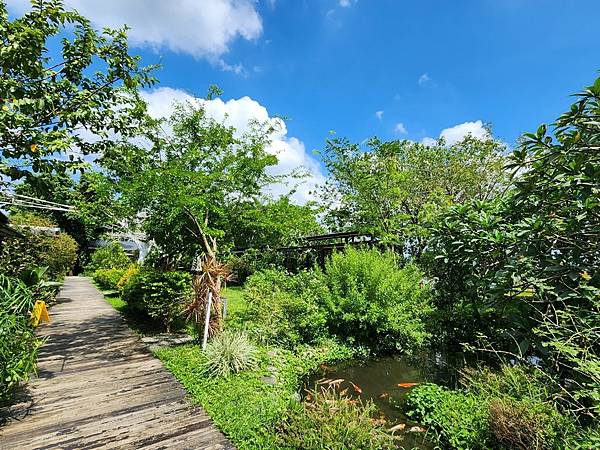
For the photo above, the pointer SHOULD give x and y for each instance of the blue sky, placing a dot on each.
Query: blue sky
(328, 65)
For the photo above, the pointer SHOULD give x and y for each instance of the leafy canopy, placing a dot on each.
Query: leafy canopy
(64, 89)
(394, 189)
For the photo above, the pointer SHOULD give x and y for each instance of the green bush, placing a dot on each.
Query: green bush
(285, 308)
(509, 408)
(374, 302)
(160, 295)
(332, 421)
(229, 352)
(19, 254)
(112, 256)
(18, 343)
(459, 420)
(130, 272)
(108, 278)
(59, 255)
(252, 261)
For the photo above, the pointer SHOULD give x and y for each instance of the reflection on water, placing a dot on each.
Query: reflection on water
(387, 381)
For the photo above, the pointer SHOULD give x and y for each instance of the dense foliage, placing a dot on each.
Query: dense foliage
(160, 295)
(374, 302)
(57, 252)
(18, 343)
(49, 97)
(362, 297)
(524, 271)
(108, 278)
(510, 408)
(110, 256)
(396, 189)
(286, 309)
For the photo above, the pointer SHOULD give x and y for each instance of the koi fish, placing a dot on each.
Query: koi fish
(399, 427)
(384, 395)
(407, 385)
(356, 388)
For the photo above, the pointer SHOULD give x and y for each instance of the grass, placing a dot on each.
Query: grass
(139, 323)
(243, 406)
(236, 303)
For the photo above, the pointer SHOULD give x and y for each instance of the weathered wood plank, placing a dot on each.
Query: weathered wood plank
(99, 387)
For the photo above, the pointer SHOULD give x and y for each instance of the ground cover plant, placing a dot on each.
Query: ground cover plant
(246, 408)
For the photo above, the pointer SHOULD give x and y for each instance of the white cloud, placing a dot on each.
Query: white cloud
(424, 79)
(204, 29)
(346, 3)
(290, 151)
(379, 114)
(456, 133)
(400, 128)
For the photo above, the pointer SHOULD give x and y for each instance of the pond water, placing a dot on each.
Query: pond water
(387, 381)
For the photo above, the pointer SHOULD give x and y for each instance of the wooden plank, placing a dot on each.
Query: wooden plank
(99, 387)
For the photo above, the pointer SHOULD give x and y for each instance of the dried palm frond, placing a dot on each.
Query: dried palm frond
(210, 278)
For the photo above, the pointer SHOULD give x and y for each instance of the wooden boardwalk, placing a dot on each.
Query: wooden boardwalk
(99, 387)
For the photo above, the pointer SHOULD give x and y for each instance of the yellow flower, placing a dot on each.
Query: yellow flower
(33, 147)
(586, 276)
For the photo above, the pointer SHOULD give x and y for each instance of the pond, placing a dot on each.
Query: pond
(387, 381)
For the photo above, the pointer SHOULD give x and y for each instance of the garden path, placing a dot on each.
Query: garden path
(99, 387)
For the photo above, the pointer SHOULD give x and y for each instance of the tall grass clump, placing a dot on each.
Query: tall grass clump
(229, 352)
(330, 420)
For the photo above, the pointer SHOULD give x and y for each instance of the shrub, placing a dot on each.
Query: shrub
(19, 254)
(458, 419)
(130, 272)
(285, 308)
(15, 297)
(108, 278)
(510, 408)
(18, 344)
(521, 408)
(251, 261)
(59, 255)
(373, 301)
(333, 421)
(160, 295)
(526, 425)
(112, 256)
(229, 352)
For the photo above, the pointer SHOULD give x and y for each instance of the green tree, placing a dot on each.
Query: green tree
(272, 223)
(531, 260)
(395, 189)
(58, 106)
(191, 187)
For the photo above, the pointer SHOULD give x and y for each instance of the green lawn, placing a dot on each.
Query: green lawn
(236, 303)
